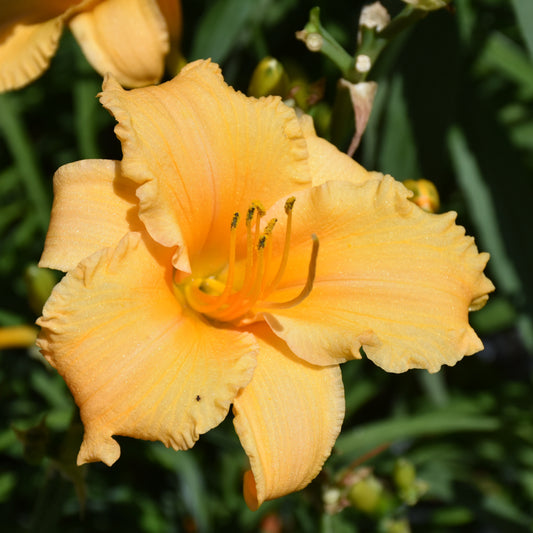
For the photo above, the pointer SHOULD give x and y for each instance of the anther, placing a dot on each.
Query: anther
(289, 204)
(260, 209)
(250, 215)
(270, 227)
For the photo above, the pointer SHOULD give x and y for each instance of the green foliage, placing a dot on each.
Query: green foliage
(454, 105)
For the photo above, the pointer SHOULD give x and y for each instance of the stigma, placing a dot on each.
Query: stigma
(224, 299)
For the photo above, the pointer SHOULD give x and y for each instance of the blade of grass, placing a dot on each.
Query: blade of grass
(482, 211)
(524, 17)
(353, 444)
(19, 144)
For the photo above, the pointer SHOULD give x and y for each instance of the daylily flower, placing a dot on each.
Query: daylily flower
(195, 280)
(129, 38)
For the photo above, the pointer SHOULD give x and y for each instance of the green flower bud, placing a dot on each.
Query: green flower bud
(321, 114)
(404, 474)
(365, 495)
(428, 5)
(269, 77)
(40, 282)
(396, 526)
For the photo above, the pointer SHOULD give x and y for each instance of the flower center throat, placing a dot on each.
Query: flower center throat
(222, 300)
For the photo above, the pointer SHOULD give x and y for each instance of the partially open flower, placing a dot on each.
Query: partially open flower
(233, 257)
(129, 38)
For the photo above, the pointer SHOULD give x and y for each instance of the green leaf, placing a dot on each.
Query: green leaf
(504, 56)
(524, 16)
(501, 506)
(16, 137)
(497, 315)
(221, 28)
(192, 490)
(395, 150)
(452, 516)
(481, 201)
(497, 191)
(7, 483)
(336, 523)
(355, 443)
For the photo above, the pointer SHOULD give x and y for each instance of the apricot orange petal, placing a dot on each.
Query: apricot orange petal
(137, 363)
(326, 162)
(287, 419)
(128, 38)
(29, 36)
(171, 11)
(33, 11)
(200, 152)
(108, 210)
(390, 278)
(26, 51)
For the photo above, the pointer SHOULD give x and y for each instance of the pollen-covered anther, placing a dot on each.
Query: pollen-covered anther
(222, 300)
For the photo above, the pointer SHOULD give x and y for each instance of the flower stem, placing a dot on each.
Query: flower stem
(327, 45)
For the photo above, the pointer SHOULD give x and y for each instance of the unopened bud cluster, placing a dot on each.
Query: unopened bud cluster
(380, 499)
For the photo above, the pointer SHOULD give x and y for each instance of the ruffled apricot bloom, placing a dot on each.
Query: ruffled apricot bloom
(129, 38)
(234, 258)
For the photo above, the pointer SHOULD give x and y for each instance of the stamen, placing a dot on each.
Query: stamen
(231, 264)
(249, 239)
(270, 227)
(289, 204)
(218, 298)
(251, 251)
(308, 284)
(250, 293)
(268, 248)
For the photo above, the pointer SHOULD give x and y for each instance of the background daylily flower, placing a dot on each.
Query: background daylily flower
(194, 280)
(129, 38)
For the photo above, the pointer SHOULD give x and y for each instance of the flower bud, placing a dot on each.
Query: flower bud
(396, 526)
(428, 5)
(39, 283)
(410, 489)
(404, 473)
(374, 16)
(365, 495)
(313, 40)
(22, 336)
(321, 114)
(269, 77)
(425, 196)
(331, 498)
(271, 523)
